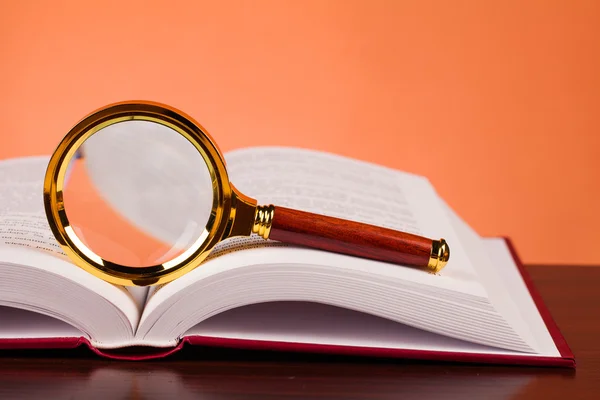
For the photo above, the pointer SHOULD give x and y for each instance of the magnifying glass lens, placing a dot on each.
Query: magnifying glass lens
(138, 193)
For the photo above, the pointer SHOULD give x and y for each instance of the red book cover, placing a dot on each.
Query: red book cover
(566, 358)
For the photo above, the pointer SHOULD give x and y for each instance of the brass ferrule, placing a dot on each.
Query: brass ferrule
(440, 254)
(263, 219)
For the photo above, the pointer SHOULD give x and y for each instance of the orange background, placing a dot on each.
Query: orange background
(498, 103)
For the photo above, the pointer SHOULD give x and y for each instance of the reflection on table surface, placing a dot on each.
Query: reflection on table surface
(223, 374)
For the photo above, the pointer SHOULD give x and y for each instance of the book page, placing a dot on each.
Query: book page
(28, 230)
(21, 185)
(303, 322)
(22, 218)
(329, 185)
(23, 222)
(20, 324)
(341, 187)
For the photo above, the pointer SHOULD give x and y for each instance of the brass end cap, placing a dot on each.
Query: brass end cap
(440, 254)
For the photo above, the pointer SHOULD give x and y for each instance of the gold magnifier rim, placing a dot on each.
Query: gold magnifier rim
(107, 270)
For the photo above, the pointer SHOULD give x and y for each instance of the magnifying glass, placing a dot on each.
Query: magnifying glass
(137, 193)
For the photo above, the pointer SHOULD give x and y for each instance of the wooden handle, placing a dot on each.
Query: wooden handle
(357, 239)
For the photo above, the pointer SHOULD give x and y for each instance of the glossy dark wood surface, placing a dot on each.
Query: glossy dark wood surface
(349, 237)
(571, 293)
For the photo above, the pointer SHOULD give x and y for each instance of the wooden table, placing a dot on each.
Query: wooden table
(571, 293)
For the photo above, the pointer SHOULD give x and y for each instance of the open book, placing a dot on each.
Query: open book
(253, 293)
